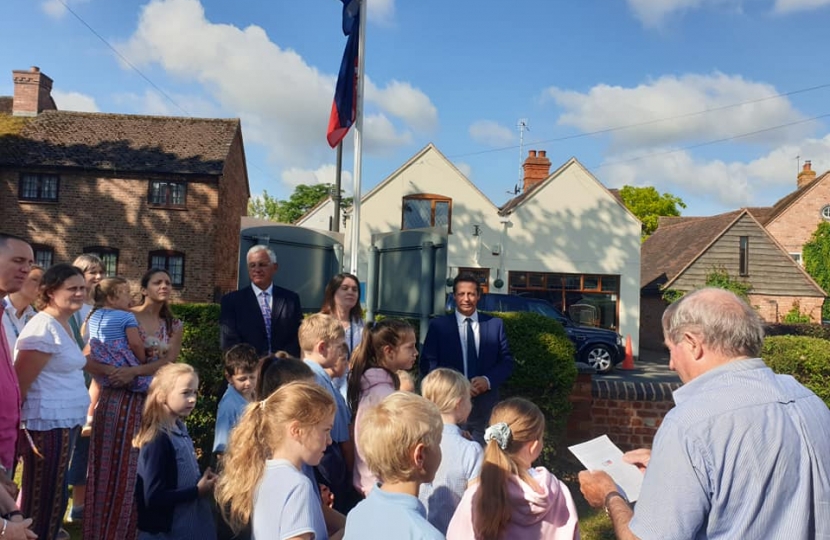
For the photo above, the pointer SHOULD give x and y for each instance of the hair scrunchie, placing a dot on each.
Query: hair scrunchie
(500, 433)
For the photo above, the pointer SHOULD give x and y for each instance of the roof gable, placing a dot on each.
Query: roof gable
(528, 195)
(121, 142)
(424, 154)
(784, 204)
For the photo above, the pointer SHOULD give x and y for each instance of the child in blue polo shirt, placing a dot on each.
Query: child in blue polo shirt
(241, 363)
(400, 439)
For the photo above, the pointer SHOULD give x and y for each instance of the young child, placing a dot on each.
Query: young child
(339, 369)
(262, 482)
(321, 340)
(401, 442)
(241, 362)
(114, 339)
(171, 495)
(461, 457)
(387, 346)
(511, 499)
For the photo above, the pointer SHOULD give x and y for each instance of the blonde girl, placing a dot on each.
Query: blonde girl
(171, 494)
(262, 480)
(461, 458)
(387, 346)
(512, 499)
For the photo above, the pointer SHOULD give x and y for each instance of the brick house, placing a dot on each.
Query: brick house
(139, 191)
(683, 250)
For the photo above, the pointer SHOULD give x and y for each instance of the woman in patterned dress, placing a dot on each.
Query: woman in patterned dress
(110, 509)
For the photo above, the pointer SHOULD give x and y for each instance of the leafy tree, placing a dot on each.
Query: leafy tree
(816, 254)
(718, 277)
(303, 199)
(648, 204)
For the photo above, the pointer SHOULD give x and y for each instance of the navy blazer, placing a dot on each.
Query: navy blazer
(240, 321)
(442, 348)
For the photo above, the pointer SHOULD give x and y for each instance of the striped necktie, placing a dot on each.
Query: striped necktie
(265, 306)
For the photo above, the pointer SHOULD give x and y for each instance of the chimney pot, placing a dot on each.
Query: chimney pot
(807, 174)
(35, 69)
(808, 165)
(531, 153)
(543, 153)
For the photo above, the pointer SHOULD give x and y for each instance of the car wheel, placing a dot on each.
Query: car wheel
(600, 358)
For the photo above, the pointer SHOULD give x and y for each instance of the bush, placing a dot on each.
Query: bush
(200, 349)
(808, 330)
(805, 358)
(545, 370)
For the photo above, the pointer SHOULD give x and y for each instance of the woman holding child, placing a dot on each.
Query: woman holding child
(126, 348)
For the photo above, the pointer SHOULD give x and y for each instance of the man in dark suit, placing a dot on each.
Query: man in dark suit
(474, 344)
(262, 315)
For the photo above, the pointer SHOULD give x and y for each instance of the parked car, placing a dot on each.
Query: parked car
(600, 348)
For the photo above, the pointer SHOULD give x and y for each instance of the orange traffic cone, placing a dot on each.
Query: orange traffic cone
(628, 363)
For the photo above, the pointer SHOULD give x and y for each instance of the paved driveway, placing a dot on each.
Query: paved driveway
(651, 366)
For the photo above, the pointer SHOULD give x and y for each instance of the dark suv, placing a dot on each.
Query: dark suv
(598, 347)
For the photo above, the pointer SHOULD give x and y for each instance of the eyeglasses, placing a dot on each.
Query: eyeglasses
(259, 265)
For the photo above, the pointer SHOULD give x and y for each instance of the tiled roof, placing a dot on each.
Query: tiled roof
(121, 142)
(510, 205)
(779, 207)
(672, 247)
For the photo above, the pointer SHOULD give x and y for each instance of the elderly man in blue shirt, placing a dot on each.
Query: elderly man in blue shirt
(745, 453)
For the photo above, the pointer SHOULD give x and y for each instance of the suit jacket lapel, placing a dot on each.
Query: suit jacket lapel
(254, 307)
(455, 335)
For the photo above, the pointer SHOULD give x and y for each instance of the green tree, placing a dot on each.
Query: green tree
(648, 204)
(816, 255)
(303, 199)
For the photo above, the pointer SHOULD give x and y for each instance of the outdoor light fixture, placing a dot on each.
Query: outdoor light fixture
(476, 230)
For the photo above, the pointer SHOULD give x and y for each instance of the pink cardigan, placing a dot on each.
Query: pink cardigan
(375, 385)
(550, 515)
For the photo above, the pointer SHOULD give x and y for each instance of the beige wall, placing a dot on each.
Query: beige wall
(794, 227)
(319, 218)
(572, 224)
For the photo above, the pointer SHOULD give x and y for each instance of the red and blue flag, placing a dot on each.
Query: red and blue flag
(344, 107)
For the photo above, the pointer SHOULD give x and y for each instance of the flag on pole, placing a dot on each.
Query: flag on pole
(345, 94)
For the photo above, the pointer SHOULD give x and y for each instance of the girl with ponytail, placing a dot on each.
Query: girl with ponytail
(387, 346)
(262, 482)
(513, 500)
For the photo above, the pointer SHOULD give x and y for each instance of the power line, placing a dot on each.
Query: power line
(650, 122)
(124, 59)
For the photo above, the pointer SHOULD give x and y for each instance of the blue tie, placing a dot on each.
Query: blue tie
(472, 354)
(265, 306)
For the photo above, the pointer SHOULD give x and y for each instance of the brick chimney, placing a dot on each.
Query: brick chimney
(806, 175)
(32, 92)
(536, 168)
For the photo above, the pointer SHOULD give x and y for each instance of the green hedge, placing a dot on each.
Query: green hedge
(811, 330)
(805, 358)
(545, 371)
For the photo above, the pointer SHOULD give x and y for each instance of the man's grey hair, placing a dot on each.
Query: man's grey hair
(723, 322)
(260, 247)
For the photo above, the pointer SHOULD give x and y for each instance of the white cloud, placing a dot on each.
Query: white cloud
(283, 101)
(57, 9)
(74, 101)
(490, 133)
(730, 184)
(325, 174)
(790, 6)
(465, 169)
(381, 11)
(673, 98)
(153, 103)
(652, 12)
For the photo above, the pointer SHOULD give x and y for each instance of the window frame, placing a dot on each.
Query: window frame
(40, 177)
(101, 252)
(168, 254)
(743, 256)
(434, 199)
(167, 194)
(825, 212)
(43, 248)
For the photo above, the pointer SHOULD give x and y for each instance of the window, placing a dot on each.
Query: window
(43, 255)
(743, 263)
(172, 261)
(38, 187)
(169, 194)
(108, 255)
(797, 258)
(423, 210)
(825, 212)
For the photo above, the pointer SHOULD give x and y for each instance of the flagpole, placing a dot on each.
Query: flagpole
(358, 139)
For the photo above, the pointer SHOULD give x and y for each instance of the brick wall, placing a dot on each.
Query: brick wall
(113, 212)
(774, 308)
(652, 307)
(234, 194)
(793, 228)
(628, 412)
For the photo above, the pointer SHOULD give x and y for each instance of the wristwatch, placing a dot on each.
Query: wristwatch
(611, 496)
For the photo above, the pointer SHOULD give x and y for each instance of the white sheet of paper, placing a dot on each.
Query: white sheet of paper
(601, 454)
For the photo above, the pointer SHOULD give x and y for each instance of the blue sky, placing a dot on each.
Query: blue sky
(461, 74)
